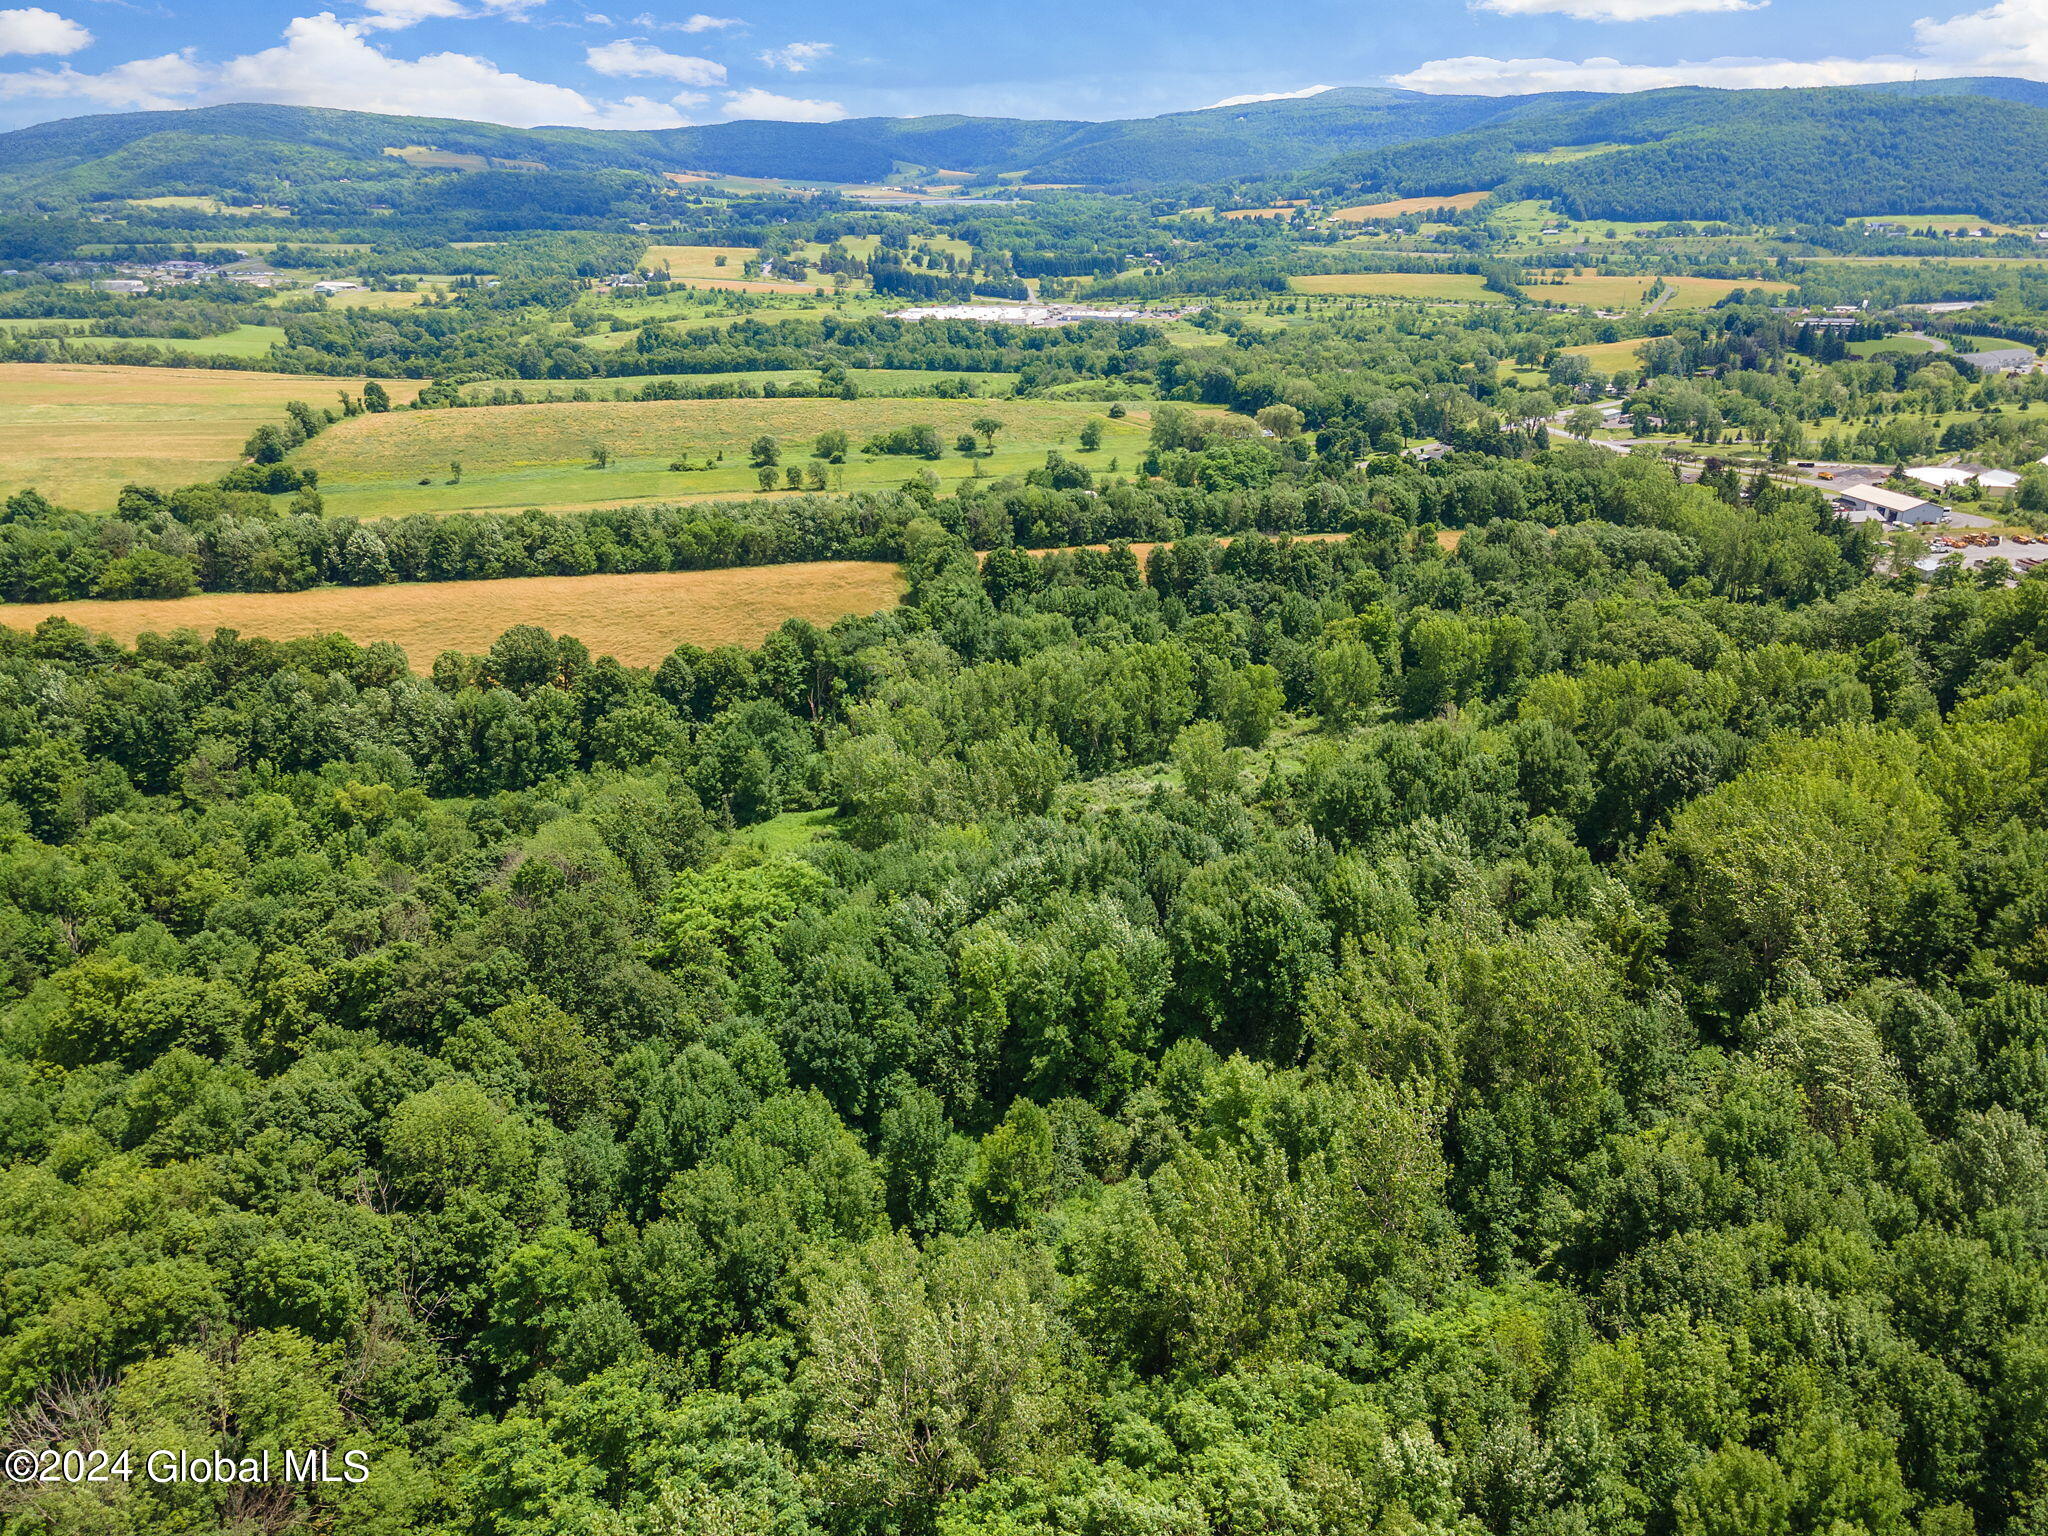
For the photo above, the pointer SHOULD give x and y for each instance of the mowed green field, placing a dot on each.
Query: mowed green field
(1400, 285)
(78, 432)
(516, 456)
(242, 341)
(1906, 345)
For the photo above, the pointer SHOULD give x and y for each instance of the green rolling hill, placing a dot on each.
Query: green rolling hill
(1680, 154)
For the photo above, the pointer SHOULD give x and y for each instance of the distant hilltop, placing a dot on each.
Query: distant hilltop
(1970, 145)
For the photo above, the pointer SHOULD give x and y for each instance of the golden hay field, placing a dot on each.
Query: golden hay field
(78, 432)
(637, 618)
(1703, 292)
(376, 298)
(1399, 285)
(1402, 207)
(1610, 356)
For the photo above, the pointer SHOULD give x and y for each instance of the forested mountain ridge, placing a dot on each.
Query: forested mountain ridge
(1693, 153)
(1894, 150)
(143, 153)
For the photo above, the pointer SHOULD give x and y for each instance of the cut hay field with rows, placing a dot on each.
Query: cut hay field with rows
(78, 432)
(1705, 292)
(698, 265)
(1627, 292)
(1404, 206)
(637, 618)
(1611, 356)
(517, 456)
(1399, 285)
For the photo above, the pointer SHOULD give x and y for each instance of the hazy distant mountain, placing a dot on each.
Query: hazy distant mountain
(245, 148)
(1976, 145)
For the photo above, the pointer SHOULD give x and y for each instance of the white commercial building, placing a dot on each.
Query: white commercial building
(1893, 506)
(1948, 476)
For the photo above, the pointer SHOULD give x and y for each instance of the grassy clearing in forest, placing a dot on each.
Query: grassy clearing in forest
(1564, 154)
(78, 432)
(1400, 285)
(516, 456)
(637, 618)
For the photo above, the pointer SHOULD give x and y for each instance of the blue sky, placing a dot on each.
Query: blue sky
(632, 63)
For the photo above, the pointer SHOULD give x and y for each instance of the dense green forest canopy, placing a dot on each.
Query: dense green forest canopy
(1489, 982)
(1690, 153)
(1295, 1037)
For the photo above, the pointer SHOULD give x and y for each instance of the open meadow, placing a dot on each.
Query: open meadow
(1465, 286)
(1624, 292)
(698, 266)
(516, 456)
(638, 618)
(78, 432)
(377, 298)
(1905, 346)
(869, 381)
(242, 341)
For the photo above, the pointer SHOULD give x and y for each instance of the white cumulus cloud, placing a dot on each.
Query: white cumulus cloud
(36, 30)
(140, 85)
(757, 103)
(627, 57)
(326, 62)
(389, 15)
(796, 57)
(1246, 101)
(2009, 38)
(1480, 75)
(697, 23)
(1613, 10)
